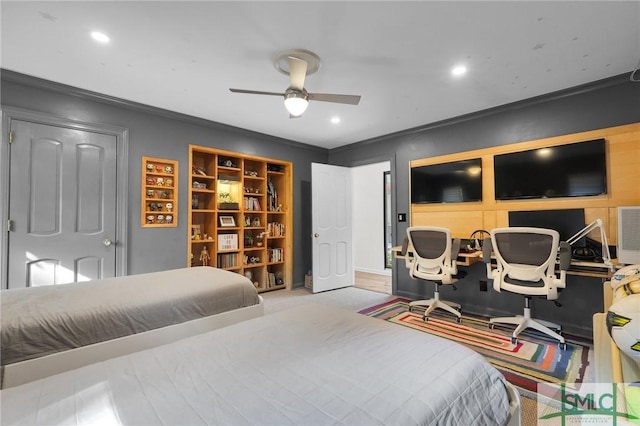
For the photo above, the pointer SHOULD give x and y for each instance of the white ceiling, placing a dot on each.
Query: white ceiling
(184, 56)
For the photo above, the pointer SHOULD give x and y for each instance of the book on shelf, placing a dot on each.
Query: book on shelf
(252, 204)
(228, 260)
(275, 229)
(275, 254)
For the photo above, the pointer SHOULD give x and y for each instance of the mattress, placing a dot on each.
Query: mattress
(39, 321)
(311, 364)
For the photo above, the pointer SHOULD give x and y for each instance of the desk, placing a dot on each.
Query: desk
(578, 267)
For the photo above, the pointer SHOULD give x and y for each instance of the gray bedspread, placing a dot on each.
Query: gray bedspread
(309, 365)
(39, 321)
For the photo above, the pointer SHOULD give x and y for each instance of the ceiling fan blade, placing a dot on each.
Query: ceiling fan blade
(339, 99)
(297, 72)
(256, 92)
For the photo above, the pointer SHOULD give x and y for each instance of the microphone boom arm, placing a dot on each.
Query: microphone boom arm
(606, 256)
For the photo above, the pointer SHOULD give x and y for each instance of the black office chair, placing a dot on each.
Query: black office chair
(526, 260)
(434, 259)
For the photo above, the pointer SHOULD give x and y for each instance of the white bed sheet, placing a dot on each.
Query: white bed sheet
(309, 365)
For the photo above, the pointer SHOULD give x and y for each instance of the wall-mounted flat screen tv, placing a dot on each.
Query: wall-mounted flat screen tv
(455, 182)
(572, 170)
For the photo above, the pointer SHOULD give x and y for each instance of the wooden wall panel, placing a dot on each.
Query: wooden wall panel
(623, 173)
(464, 222)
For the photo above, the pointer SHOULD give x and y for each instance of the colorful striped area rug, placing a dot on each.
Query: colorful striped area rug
(531, 360)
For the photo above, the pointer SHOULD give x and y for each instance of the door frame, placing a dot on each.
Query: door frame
(394, 204)
(122, 164)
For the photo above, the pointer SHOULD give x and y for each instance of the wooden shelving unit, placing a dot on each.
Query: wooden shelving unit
(159, 193)
(241, 213)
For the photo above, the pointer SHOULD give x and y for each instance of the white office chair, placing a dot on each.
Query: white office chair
(526, 260)
(433, 259)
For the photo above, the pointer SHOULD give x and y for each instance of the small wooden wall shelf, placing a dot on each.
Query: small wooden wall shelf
(159, 193)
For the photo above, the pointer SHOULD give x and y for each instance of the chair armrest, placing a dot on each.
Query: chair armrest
(455, 248)
(487, 250)
(564, 255)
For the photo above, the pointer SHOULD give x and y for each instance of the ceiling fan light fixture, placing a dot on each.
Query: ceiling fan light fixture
(296, 102)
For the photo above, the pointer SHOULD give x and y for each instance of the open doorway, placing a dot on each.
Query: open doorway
(372, 225)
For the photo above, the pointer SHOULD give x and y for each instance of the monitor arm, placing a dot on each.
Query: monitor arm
(606, 256)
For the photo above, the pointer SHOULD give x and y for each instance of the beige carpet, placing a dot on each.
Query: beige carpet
(356, 299)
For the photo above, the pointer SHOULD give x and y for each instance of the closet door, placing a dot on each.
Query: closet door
(62, 205)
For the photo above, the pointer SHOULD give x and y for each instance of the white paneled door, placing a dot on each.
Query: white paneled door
(332, 227)
(62, 205)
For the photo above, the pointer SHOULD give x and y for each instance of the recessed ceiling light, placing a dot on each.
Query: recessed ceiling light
(335, 120)
(101, 37)
(459, 70)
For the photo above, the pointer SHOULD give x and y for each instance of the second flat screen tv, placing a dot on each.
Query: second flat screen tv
(456, 182)
(572, 170)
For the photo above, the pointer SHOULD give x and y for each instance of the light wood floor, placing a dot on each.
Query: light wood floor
(374, 282)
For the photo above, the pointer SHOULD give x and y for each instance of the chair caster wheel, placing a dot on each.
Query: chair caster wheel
(562, 346)
(425, 318)
(514, 340)
(491, 326)
(410, 309)
(458, 320)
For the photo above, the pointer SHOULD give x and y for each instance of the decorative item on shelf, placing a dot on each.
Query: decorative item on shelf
(151, 219)
(260, 240)
(279, 279)
(248, 240)
(168, 169)
(158, 167)
(274, 168)
(225, 202)
(168, 182)
(251, 173)
(204, 256)
(227, 221)
(226, 162)
(150, 193)
(256, 222)
(247, 221)
(168, 218)
(163, 194)
(272, 196)
(245, 260)
(160, 218)
(198, 171)
(169, 207)
(150, 167)
(194, 202)
(150, 180)
(248, 275)
(195, 232)
(254, 260)
(160, 181)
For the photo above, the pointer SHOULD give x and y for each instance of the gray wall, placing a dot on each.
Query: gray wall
(598, 105)
(153, 132)
(157, 133)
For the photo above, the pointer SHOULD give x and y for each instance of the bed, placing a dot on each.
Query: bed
(312, 364)
(46, 330)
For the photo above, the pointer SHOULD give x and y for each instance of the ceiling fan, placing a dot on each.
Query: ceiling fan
(298, 64)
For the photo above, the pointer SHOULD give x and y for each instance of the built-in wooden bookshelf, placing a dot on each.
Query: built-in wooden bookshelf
(159, 195)
(240, 215)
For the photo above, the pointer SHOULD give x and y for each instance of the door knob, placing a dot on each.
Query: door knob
(107, 242)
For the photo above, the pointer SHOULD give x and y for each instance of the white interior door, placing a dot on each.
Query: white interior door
(332, 227)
